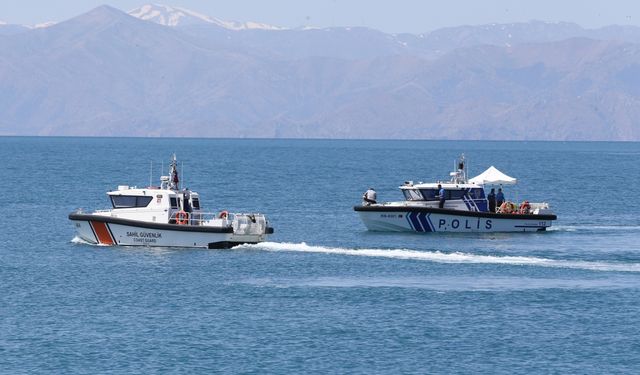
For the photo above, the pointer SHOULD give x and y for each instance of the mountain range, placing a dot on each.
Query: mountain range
(167, 71)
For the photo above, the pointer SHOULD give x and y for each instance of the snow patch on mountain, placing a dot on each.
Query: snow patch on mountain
(176, 16)
(42, 25)
(36, 26)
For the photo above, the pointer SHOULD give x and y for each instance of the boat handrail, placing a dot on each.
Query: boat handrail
(202, 218)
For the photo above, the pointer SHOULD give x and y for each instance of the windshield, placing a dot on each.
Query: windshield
(129, 201)
(412, 194)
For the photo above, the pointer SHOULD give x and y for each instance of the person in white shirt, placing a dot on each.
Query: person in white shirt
(369, 197)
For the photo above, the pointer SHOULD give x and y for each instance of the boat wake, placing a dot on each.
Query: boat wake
(594, 228)
(456, 257)
(79, 240)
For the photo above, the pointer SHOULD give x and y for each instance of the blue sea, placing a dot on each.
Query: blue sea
(323, 296)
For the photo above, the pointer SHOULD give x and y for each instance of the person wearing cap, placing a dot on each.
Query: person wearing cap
(369, 197)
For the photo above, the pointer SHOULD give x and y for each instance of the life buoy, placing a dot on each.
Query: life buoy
(182, 218)
(223, 215)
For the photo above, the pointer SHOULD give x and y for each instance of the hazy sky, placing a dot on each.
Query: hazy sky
(413, 16)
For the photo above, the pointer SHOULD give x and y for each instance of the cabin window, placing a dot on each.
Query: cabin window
(123, 201)
(454, 194)
(143, 201)
(429, 194)
(130, 201)
(195, 202)
(476, 193)
(174, 202)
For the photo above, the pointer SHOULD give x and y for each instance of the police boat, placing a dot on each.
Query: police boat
(167, 215)
(465, 208)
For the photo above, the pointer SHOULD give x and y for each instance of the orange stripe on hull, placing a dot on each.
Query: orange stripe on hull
(102, 232)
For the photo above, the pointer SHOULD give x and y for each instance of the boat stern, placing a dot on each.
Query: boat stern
(250, 228)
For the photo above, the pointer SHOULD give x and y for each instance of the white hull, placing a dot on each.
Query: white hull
(440, 220)
(96, 230)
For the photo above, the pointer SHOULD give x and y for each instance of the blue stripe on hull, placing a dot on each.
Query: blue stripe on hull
(420, 222)
(414, 221)
(426, 223)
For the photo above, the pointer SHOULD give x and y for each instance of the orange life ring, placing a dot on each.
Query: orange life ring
(182, 218)
(223, 215)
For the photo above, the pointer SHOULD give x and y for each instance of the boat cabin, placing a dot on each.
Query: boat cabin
(470, 196)
(153, 204)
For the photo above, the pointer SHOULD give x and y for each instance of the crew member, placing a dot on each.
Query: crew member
(492, 200)
(499, 198)
(441, 196)
(187, 200)
(369, 197)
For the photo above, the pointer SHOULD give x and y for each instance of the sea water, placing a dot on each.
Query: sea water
(323, 295)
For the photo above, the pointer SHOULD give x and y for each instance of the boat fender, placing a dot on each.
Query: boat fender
(223, 215)
(182, 218)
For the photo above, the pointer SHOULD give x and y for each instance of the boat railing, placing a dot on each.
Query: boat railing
(222, 218)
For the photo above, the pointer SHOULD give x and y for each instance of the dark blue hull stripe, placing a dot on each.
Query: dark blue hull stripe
(414, 222)
(426, 222)
(420, 221)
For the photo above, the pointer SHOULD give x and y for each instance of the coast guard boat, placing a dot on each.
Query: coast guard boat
(466, 207)
(166, 215)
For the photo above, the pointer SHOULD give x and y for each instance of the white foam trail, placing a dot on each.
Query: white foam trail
(457, 257)
(450, 283)
(574, 228)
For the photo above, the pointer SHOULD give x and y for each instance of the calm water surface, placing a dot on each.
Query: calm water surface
(323, 296)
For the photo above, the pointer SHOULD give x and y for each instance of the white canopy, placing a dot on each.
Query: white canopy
(493, 176)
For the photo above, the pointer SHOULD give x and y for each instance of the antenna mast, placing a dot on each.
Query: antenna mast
(174, 179)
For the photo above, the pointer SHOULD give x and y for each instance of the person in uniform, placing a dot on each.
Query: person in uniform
(186, 200)
(369, 197)
(499, 198)
(492, 200)
(441, 195)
